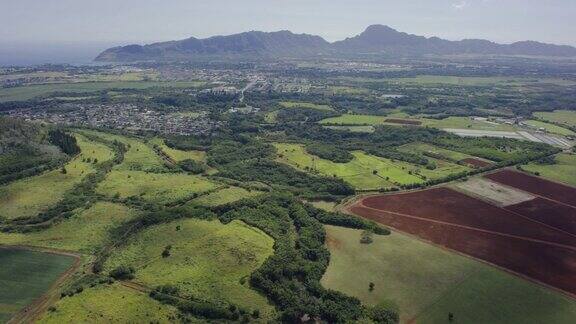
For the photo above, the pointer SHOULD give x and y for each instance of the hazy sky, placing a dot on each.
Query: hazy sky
(143, 21)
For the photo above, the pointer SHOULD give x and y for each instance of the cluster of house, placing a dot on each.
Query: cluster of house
(124, 116)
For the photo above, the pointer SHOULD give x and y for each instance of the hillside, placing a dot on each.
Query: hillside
(376, 39)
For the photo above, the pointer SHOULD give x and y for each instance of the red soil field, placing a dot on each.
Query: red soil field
(535, 185)
(403, 121)
(476, 162)
(478, 229)
(548, 212)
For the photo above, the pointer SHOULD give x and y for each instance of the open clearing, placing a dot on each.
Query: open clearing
(564, 170)
(359, 171)
(156, 187)
(86, 231)
(492, 192)
(110, 304)
(551, 128)
(478, 229)
(434, 150)
(139, 156)
(179, 155)
(32, 91)
(207, 260)
(26, 275)
(308, 105)
(425, 283)
(564, 117)
(465, 123)
(28, 197)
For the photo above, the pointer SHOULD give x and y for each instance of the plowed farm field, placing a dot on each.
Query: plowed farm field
(518, 238)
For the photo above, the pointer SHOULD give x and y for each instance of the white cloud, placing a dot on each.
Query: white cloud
(460, 5)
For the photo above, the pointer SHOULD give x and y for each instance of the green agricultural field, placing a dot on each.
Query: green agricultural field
(29, 196)
(354, 129)
(564, 117)
(551, 128)
(25, 276)
(139, 156)
(348, 119)
(424, 283)
(360, 171)
(309, 105)
(427, 148)
(110, 304)
(155, 187)
(86, 231)
(32, 91)
(208, 260)
(563, 171)
(450, 122)
(466, 123)
(224, 196)
(179, 155)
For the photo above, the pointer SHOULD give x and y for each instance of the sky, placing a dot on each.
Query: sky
(102, 23)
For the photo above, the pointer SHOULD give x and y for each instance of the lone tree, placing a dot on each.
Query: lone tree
(166, 252)
(371, 286)
(63, 170)
(451, 317)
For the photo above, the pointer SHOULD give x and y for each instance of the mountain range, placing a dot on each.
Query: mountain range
(375, 40)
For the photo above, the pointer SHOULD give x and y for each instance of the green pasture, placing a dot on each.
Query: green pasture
(140, 156)
(308, 105)
(208, 260)
(29, 196)
(551, 128)
(349, 119)
(564, 117)
(424, 283)
(155, 187)
(110, 304)
(427, 148)
(360, 171)
(564, 170)
(33, 91)
(26, 275)
(354, 129)
(86, 231)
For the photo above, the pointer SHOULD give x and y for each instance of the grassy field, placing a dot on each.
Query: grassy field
(427, 148)
(224, 196)
(465, 123)
(29, 196)
(179, 155)
(110, 304)
(563, 171)
(140, 156)
(359, 171)
(450, 122)
(155, 187)
(324, 205)
(308, 105)
(565, 117)
(424, 283)
(354, 129)
(25, 276)
(86, 231)
(208, 260)
(551, 128)
(29, 92)
(348, 119)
